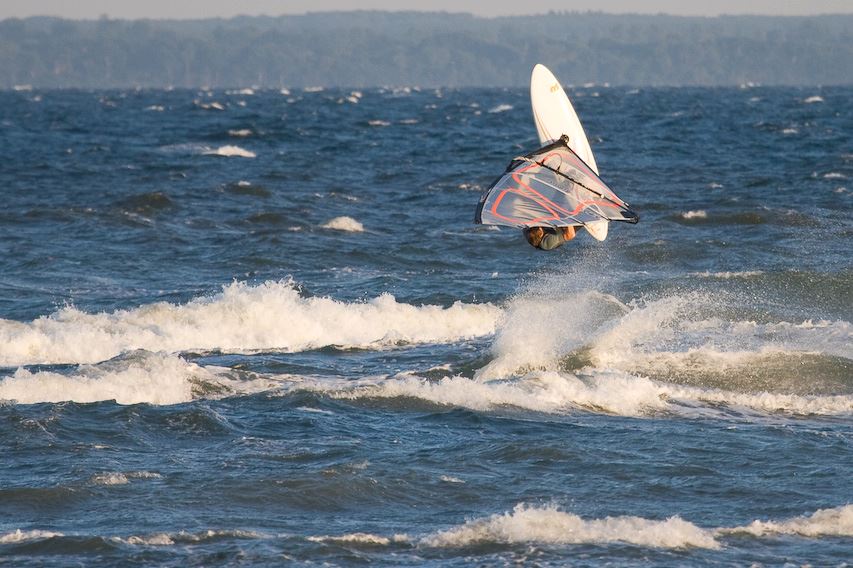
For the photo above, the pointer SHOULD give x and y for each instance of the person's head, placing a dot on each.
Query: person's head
(534, 235)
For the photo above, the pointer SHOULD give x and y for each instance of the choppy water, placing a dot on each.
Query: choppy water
(260, 327)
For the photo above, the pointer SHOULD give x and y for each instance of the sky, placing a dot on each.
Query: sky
(183, 9)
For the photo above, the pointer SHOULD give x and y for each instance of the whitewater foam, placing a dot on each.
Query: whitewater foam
(240, 132)
(118, 478)
(22, 536)
(153, 378)
(500, 108)
(229, 151)
(364, 539)
(548, 525)
(241, 318)
(344, 223)
(824, 522)
(612, 392)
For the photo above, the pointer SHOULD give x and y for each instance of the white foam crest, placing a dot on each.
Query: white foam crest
(549, 392)
(153, 378)
(768, 402)
(110, 479)
(813, 99)
(365, 539)
(547, 525)
(240, 132)
(229, 151)
(344, 223)
(824, 522)
(698, 214)
(22, 536)
(183, 537)
(161, 539)
(451, 479)
(209, 106)
(613, 392)
(834, 175)
(670, 331)
(118, 478)
(500, 108)
(269, 316)
(378, 122)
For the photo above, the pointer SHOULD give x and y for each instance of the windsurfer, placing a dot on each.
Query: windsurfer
(548, 238)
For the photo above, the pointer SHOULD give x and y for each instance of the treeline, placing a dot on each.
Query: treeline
(362, 49)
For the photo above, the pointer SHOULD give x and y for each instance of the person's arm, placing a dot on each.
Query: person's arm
(568, 233)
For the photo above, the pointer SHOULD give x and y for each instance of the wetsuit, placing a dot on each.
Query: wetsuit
(553, 238)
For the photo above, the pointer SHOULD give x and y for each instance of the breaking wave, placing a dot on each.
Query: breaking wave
(611, 392)
(548, 525)
(140, 377)
(241, 318)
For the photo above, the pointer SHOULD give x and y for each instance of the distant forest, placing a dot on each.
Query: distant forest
(363, 49)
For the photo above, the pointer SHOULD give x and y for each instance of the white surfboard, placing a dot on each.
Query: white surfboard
(555, 117)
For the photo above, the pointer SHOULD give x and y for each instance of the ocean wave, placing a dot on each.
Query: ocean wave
(590, 390)
(241, 318)
(347, 224)
(548, 525)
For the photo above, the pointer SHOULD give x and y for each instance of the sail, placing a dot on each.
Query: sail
(550, 187)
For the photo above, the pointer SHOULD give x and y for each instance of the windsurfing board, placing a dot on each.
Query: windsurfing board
(555, 117)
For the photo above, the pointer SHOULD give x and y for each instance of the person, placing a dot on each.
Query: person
(548, 238)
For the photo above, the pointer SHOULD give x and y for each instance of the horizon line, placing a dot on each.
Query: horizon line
(109, 17)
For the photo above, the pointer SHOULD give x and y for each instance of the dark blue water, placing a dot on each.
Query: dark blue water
(261, 328)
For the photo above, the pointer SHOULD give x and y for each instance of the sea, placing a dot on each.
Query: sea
(258, 327)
